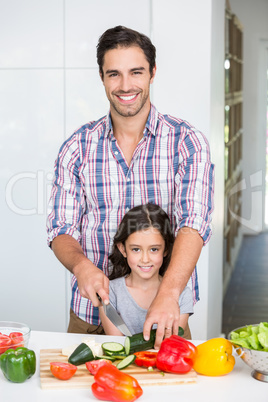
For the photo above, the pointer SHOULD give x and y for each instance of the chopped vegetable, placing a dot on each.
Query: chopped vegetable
(136, 343)
(112, 347)
(214, 357)
(5, 343)
(176, 355)
(68, 350)
(126, 362)
(146, 359)
(81, 355)
(18, 364)
(112, 384)
(94, 365)
(62, 371)
(251, 337)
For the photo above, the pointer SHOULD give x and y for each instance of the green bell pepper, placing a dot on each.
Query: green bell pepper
(18, 364)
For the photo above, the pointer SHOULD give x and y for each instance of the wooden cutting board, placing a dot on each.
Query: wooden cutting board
(83, 379)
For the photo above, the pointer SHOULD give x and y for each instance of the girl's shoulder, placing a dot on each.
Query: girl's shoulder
(118, 282)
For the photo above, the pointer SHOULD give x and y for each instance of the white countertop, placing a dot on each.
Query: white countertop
(235, 387)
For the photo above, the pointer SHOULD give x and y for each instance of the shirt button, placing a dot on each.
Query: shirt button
(127, 209)
(116, 153)
(128, 179)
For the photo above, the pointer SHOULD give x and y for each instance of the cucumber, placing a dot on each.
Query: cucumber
(120, 356)
(81, 355)
(111, 348)
(106, 357)
(126, 362)
(136, 343)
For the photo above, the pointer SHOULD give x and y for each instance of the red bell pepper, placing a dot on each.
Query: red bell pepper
(145, 359)
(176, 355)
(112, 384)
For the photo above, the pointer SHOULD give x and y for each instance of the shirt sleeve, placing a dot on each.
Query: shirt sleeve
(194, 184)
(66, 204)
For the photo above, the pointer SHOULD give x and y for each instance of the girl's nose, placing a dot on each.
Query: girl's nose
(145, 256)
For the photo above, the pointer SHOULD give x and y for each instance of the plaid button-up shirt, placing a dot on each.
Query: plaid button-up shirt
(94, 187)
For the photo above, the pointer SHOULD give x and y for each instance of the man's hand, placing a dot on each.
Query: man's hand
(164, 311)
(92, 281)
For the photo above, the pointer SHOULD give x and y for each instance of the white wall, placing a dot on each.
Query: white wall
(254, 18)
(49, 86)
(190, 84)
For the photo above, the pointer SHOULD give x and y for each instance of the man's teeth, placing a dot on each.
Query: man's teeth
(126, 98)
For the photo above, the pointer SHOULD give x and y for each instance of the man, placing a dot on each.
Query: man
(132, 156)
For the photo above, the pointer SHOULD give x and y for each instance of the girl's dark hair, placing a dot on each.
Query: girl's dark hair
(140, 218)
(125, 37)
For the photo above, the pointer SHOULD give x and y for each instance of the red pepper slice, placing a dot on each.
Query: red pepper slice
(5, 343)
(62, 371)
(16, 338)
(94, 365)
(146, 359)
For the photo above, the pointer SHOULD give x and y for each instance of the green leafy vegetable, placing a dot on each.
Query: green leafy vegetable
(252, 337)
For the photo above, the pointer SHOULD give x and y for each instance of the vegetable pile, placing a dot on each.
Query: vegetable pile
(9, 341)
(252, 337)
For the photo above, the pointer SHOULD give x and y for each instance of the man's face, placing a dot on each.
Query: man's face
(127, 79)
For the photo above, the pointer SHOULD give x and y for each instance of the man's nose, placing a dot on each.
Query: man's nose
(125, 84)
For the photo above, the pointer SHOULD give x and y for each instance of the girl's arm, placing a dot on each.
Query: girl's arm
(108, 326)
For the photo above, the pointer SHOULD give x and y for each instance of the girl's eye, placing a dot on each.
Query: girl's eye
(154, 249)
(135, 249)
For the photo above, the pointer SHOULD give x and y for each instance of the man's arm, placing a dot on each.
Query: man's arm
(90, 279)
(164, 310)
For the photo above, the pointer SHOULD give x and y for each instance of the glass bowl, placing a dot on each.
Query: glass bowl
(13, 335)
(255, 359)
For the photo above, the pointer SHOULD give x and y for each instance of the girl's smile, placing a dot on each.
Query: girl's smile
(144, 250)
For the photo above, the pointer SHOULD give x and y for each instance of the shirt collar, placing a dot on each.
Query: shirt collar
(150, 126)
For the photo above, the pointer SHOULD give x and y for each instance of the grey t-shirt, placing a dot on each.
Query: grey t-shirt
(132, 313)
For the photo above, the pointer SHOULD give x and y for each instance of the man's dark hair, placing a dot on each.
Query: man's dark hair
(125, 37)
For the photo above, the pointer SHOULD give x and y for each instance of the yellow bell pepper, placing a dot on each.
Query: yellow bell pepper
(214, 357)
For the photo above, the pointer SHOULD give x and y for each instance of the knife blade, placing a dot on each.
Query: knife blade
(115, 318)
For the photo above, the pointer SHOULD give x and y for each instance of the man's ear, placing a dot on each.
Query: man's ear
(122, 250)
(153, 75)
(101, 75)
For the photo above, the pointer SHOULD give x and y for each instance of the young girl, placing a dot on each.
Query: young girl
(140, 256)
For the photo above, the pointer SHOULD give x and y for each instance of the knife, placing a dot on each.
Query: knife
(115, 318)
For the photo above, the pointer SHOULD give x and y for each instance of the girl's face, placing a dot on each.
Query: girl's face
(144, 251)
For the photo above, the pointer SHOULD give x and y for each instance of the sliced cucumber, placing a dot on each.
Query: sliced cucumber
(106, 357)
(136, 343)
(126, 362)
(112, 347)
(120, 356)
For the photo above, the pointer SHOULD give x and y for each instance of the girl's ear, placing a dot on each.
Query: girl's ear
(165, 253)
(122, 250)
